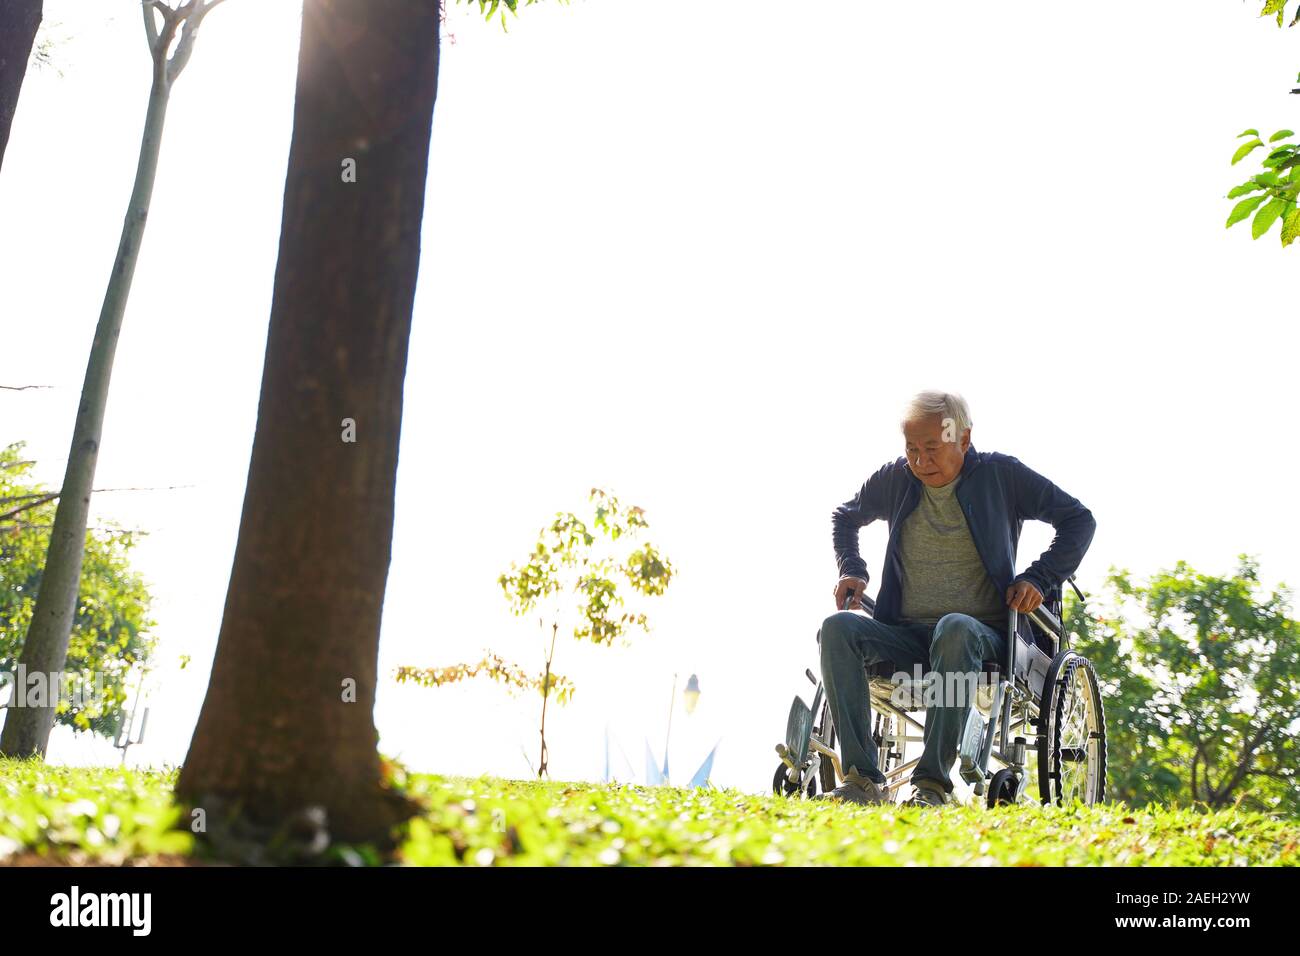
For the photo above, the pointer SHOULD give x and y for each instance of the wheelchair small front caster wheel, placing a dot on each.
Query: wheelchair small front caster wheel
(782, 786)
(1002, 789)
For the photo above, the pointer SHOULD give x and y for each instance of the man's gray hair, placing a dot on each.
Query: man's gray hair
(944, 404)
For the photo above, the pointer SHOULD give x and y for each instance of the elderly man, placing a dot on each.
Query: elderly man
(954, 516)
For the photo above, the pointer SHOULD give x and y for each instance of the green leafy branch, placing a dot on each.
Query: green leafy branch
(1278, 8)
(1275, 189)
(489, 8)
(514, 677)
(564, 548)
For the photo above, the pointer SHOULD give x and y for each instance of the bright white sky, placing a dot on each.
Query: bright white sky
(699, 255)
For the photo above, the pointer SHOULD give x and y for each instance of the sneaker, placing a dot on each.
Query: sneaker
(926, 794)
(856, 789)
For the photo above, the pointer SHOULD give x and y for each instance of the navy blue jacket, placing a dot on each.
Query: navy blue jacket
(997, 494)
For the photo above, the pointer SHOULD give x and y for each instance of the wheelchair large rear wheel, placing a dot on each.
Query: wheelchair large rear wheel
(1071, 733)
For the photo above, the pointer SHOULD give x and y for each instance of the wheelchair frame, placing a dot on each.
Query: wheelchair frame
(1054, 699)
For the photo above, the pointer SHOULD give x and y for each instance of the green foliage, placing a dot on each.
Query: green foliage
(1276, 188)
(104, 816)
(489, 7)
(1244, 208)
(565, 562)
(1201, 680)
(1245, 149)
(1281, 191)
(512, 676)
(1290, 227)
(1277, 8)
(110, 633)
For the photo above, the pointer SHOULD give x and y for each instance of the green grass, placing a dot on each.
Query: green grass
(114, 816)
(595, 824)
(102, 815)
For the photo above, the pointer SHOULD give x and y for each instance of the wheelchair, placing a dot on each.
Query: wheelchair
(1043, 692)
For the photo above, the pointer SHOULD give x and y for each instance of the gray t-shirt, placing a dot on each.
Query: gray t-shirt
(942, 570)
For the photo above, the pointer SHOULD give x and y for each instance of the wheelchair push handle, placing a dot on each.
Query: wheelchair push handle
(865, 603)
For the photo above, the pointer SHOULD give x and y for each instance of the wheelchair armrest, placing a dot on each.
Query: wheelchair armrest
(1046, 620)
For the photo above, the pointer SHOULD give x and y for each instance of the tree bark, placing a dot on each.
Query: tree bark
(45, 650)
(19, 21)
(302, 615)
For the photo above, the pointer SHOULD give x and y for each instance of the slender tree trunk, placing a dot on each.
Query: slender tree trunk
(278, 731)
(45, 650)
(19, 20)
(542, 768)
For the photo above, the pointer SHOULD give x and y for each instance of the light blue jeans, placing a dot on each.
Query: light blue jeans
(952, 650)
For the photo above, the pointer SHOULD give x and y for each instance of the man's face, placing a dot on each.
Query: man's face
(935, 461)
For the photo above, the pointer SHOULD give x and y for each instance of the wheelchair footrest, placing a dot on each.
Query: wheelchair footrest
(798, 731)
(969, 747)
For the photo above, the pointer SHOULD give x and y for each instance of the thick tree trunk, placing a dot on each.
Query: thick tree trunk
(19, 20)
(45, 650)
(277, 733)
